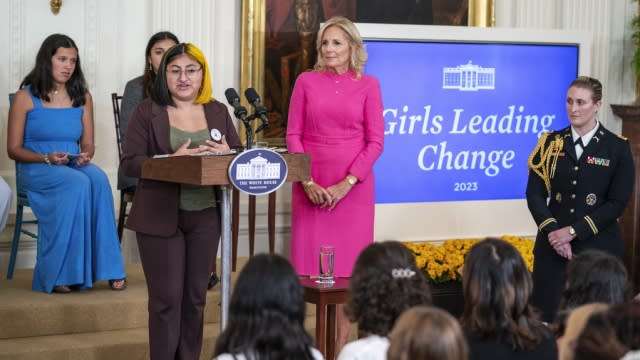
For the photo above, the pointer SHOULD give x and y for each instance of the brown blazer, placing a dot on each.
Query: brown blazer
(156, 203)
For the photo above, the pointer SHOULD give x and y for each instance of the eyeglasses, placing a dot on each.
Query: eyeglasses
(189, 72)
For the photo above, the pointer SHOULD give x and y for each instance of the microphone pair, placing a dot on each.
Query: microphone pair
(241, 112)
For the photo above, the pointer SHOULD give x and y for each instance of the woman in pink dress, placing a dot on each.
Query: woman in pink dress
(335, 116)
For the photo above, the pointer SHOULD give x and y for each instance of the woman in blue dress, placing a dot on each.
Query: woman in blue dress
(50, 136)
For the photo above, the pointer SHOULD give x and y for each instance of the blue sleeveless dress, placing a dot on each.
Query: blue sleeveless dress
(77, 237)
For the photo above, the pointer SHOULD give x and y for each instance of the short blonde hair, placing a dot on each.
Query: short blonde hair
(591, 84)
(427, 333)
(358, 54)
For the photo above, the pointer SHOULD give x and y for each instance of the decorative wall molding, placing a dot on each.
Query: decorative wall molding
(16, 33)
(90, 59)
(606, 20)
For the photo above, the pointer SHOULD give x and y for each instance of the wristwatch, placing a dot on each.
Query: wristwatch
(352, 180)
(572, 231)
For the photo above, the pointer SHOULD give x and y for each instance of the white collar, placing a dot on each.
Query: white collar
(586, 137)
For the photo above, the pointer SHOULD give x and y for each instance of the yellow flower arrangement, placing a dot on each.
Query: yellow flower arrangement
(442, 262)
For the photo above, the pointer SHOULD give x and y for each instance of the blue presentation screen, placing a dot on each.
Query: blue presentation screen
(462, 118)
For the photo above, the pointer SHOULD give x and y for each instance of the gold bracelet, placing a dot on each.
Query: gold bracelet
(308, 183)
(46, 159)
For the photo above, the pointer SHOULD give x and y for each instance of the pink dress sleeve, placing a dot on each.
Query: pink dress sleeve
(295, 126)
(373, 132)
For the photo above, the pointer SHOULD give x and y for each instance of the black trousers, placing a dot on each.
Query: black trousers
(177, 271)
(549, 280)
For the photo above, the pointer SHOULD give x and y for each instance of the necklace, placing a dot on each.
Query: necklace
(55, 92)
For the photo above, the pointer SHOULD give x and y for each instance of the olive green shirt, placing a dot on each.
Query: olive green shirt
(193, 197)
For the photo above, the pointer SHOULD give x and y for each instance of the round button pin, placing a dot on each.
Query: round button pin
(216, 135)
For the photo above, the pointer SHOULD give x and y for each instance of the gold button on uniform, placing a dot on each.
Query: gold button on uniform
(573, 196)
(576, 168)
(572, 211)
(574, 182)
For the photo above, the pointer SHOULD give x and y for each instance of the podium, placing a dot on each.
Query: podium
(213, 170)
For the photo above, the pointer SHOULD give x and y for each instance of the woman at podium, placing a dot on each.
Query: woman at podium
(177, 226)
(335, 116)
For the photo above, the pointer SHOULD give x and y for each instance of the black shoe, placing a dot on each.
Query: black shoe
(213, 280)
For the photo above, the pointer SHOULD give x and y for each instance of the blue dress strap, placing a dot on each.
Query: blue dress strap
(37, 103)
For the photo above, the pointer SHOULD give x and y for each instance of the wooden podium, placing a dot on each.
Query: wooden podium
(213, 170)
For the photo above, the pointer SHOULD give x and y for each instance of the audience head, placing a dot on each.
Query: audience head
(183, 64)
(357, 54)
(497, 286)
(427, 333)
(575, 323)
(595, 276)
(57, 64)
(610, 334)
(385, 282)
(266, 312)
(157, 45)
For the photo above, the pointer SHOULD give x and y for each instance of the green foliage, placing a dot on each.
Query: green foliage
(635, 24)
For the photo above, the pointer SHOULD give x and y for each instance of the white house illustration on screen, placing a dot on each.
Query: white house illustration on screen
(258, 168)
(469, 77)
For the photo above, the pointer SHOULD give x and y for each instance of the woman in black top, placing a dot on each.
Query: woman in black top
(497, 320)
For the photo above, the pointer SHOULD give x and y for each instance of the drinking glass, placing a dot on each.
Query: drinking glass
(327, 253)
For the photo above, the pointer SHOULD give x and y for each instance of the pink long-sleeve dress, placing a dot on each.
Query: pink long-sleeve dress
(337, 120)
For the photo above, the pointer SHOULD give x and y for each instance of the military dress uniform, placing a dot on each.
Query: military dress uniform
(587, 193)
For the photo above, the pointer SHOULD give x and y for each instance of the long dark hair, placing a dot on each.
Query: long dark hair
(385, 282)
(266, 313)
(595, 276)
(41, 79)
(149, 76)
(497, 287)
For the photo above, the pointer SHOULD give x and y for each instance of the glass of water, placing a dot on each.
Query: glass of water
(260, 145)
(327, 253)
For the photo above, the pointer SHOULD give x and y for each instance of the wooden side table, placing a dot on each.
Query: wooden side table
(326, 297)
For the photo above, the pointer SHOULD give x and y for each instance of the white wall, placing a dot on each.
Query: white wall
(112, 35)
(608, 22)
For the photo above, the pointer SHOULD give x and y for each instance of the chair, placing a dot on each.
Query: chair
(126, 195)
(22, 201)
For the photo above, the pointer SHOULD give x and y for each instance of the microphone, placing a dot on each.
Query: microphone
(254, 99)
(234, 100)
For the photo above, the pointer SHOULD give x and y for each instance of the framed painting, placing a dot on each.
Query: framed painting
(278, 39)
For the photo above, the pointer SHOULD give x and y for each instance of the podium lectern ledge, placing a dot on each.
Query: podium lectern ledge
(213, 170)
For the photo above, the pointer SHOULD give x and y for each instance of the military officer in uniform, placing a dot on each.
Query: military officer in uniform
(580, 180)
